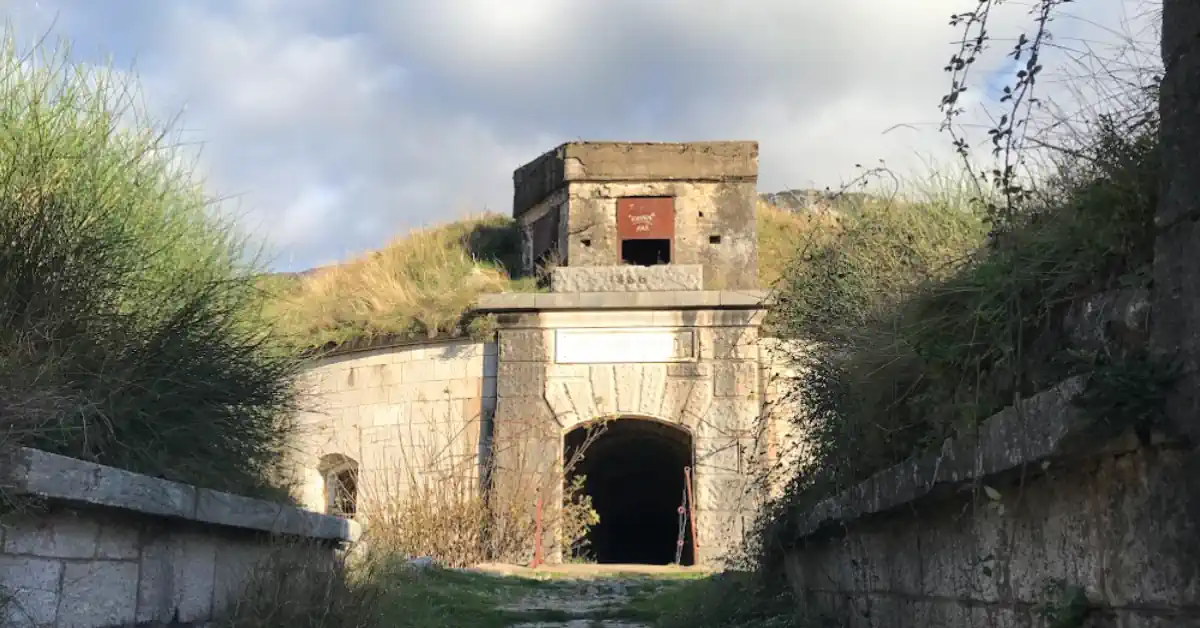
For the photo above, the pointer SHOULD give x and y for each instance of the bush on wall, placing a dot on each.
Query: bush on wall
(130, 327)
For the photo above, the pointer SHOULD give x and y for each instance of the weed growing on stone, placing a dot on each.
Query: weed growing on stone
(304, 584)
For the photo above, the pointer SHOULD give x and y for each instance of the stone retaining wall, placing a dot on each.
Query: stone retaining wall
(1005, 530)
(103, 547)
(394, 415)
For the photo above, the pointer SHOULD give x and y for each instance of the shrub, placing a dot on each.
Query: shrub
(920, 338)
(298, 584)
(732, 599)
(429, 502)
(130, 328)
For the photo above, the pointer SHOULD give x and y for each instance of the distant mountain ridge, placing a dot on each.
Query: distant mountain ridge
(815, 201)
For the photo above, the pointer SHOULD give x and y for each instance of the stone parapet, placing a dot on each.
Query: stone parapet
(632, 161)
(1041, 506)
(37, 473)
(107, 547)
(709, 299)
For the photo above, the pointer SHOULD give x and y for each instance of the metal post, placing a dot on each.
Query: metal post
(687, 475)
(537, 536)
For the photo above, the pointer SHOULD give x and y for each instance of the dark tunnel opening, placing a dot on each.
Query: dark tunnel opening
(634, 472)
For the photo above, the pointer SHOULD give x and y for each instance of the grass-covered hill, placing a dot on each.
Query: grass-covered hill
(421, 284)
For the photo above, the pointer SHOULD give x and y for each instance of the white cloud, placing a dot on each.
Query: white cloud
(341, 125)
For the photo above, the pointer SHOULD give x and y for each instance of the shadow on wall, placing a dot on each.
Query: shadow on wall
(496, 241)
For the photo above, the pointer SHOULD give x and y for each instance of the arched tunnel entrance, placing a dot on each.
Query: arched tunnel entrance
(634, 472)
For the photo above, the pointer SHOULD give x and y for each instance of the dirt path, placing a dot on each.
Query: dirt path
(582, 604)
(586, 596)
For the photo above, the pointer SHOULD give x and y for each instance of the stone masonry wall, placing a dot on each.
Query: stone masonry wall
(723, 209)
(422, 407)
(108, 548)
(784, 443)
(1064, 509)
(716, 398)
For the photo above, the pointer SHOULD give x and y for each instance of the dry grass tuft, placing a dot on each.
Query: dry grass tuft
(781, 233)
(419, 286)
(302, 584)
(423, 284)
(430, 502)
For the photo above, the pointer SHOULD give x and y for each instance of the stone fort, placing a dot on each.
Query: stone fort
(649, 331)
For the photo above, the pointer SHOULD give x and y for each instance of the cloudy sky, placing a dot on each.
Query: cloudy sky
(336, 125)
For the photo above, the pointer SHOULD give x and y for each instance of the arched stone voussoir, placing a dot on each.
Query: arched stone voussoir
(694, 408)
(600, 419)
(558, 398)
(516, 413)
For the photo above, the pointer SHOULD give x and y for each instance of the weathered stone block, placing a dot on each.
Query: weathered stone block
(239, 564)
(235, 510)
(583, 398)
(34, 472)
(653, 385)
(689, 370)
(118, 541)
(729, 343)
(730, 416)
(723, 491)
(695, 412)
(465, 387)
(33, 587)
(378, 416)
(735, 379)
(185, 573)
(722, 455)
(515, 414)
(627, 278)
(717, 532)
(628, 381)
(560, 402)
(526, 345)
(604, 389)
(521, 379)
(567, 371)
(98, 594)
(60, 535)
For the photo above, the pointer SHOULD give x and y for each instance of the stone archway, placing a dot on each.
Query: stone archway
(633, 470)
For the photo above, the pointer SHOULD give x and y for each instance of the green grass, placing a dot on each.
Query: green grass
(437, 598)
(383, 591)
(442, 598)
(727, 600)
(130, 329)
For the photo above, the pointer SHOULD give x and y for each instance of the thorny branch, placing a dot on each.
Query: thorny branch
(1009, 133)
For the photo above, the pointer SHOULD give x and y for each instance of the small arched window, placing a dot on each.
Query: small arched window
(340, 474)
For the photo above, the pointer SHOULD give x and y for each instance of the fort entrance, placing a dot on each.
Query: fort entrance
(649, 320)
(653, 317)
(634, 470)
